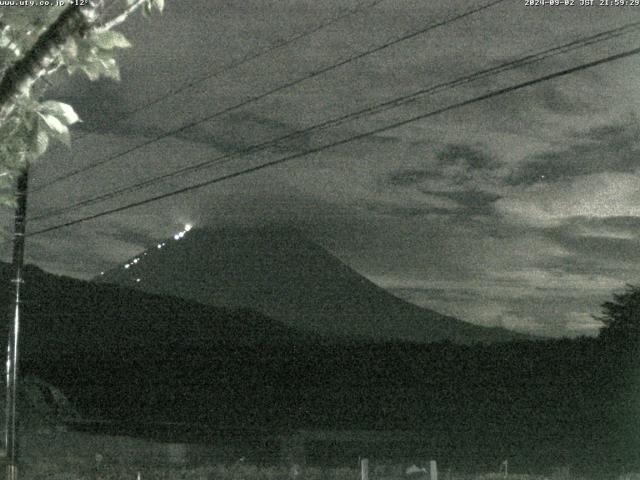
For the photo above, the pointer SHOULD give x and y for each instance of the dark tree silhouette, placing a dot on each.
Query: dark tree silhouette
(621, 317)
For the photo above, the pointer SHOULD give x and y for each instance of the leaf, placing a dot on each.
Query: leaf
(70, 48)
(7, 182)
(41, 142)
(38, 141)
(7, 199)
(102, 66)
(148, 8)
(8, 128)
(109, 40)
(63, 111)
(6, 179)
(64, 137)
(5, 40)
(159, 4)
(108, 65)
(54, 124)
(15, 49)
(92, 70)
(56, 128)
(111, 70)
(13, 159)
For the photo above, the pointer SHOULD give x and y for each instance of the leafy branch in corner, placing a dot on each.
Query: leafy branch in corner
(36, 43)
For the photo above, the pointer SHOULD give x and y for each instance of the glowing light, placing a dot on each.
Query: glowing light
(176, 237)
(137, 279)
(101, 273)
(181, 234)
(188, 227)
(136, 260)
(159, 245)
(127, 265)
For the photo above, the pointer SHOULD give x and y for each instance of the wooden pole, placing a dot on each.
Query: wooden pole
(433, 470)
(364, 469)
(10, 440)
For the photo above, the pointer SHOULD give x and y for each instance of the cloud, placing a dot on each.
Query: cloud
(561, 101)
(467, 156)
(519, 300)
(472, 199)
(624, 227)
(609, 246)
(408, 177)
(459, 180)
(228, 134)
(405, 211)
(456, 205)
(609, 148)
(602, 195)
(582, 323)
(99, 104)
(454, 164)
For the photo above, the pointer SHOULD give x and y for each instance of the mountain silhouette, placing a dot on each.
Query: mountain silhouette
(291, 279)
(66, 314)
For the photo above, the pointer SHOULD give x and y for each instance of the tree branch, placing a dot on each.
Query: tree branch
(114, 22)
(20, 77)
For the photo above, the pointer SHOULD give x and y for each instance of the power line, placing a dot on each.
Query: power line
(245, 59)
(280, 88)
(526, 60)
(369, 110)
(376, 131)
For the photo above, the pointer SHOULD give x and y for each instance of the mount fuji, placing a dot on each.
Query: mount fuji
(291, 279)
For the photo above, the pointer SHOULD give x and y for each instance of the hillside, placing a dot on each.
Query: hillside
(80, 315)
(134, 357)
(291, 279)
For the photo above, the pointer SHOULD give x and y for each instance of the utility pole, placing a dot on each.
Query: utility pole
(20, 220)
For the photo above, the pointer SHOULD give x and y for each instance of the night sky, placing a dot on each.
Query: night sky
(521, 211)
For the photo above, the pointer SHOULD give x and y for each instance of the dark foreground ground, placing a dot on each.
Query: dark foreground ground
(140, 360)
(61, 455)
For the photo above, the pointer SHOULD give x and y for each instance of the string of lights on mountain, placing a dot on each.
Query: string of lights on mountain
(134, 261)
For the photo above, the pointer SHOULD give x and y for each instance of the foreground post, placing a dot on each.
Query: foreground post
(433, 470)
(364, 469)
(10, 439)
